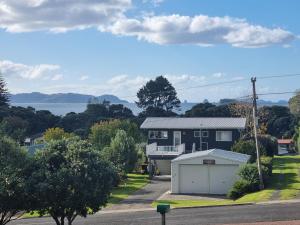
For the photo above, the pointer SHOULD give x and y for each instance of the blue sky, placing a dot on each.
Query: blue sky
(116, 46)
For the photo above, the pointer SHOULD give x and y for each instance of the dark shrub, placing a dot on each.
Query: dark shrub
(269, 143)
(239, 188)
(267, 162)
(247, 147)
(249, 172)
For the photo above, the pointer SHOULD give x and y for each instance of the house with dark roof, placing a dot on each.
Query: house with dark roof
(169, 137)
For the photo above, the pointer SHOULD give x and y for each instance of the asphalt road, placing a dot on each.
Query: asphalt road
(193, 216)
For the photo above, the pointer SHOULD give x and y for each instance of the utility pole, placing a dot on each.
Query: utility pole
(255, 123)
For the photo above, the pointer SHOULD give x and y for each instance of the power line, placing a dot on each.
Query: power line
(222, 83)
(278, 76)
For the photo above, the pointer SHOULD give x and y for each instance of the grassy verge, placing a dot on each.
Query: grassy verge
(192, 203)
(133, 183)
(286, 177)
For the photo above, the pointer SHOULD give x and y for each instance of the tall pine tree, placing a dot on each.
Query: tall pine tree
(158, 94)
(4, 96)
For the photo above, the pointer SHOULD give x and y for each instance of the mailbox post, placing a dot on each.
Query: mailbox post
(163, 209)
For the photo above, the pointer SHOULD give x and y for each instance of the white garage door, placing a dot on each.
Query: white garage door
(164, 166)
(206, 179)
(193, 179)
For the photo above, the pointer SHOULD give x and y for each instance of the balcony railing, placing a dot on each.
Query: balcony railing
(153, 149)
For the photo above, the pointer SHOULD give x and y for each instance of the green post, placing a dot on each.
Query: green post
(163, 209)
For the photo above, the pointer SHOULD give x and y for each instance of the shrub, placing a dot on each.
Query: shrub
(249, 181)
(239, 188)
(249, 172)
(247, 147)
(267, 162)
(121, 152)
(269, 143)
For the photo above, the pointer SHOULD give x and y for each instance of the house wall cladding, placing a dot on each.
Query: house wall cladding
(187, 137)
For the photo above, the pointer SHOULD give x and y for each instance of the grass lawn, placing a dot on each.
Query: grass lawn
(133, 183)
(286, 176)
(285, 182)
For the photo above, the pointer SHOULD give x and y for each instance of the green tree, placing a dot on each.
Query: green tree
(56, 133)
(122, 152)
(208, 110)
(294, 104)
(103, 132)
(158, 94)
(277, 121)
(4, 96)
(71, 179)
(14, 164)
(14, 127)
(248, 147)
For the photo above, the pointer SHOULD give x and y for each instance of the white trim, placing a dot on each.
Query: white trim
(227, 131)
(207, 133)
(206, 146)
(174, 137)
(198, 131)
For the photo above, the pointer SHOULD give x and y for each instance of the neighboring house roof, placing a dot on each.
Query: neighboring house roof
(285, 141)
(194, 123)
(229, 155)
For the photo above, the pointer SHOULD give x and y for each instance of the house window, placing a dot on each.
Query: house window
(154, 134)
(204, 133)
(197, 133)
(223, 135)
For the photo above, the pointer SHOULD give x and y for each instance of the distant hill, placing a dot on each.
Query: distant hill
(260, 102)
(37, 97)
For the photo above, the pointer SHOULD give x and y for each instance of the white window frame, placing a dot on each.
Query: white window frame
(223, 131)
(156, 136)
(204, 132)
(201, 133)
(198, 131)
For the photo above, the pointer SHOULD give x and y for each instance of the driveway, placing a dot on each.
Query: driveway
(143, 198)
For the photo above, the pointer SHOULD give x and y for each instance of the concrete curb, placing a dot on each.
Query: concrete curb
(211, 206)
(125, 211)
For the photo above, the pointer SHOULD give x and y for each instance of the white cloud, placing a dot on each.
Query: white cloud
(42, 71)
(59, 15)
(57, 77)
(84, 77)
(200, 30)
(109, 16)
(218, 75)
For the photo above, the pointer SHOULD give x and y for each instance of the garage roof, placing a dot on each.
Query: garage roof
(234, 156)
(194, 123)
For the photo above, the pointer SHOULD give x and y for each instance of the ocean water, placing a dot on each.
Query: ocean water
(62, 109)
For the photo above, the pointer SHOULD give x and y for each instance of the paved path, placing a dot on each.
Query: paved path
(143, 198)
(194, 216)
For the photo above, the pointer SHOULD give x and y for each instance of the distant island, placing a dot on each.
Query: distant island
(37, 97)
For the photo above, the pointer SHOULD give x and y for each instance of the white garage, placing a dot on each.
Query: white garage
(206, 172)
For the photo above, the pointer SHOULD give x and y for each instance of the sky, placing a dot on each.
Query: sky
(115, 46)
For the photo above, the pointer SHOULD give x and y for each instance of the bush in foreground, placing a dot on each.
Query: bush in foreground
(70, 179)
(249, 181)
(14, 165)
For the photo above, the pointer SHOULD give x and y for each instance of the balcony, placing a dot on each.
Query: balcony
(154, 150)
